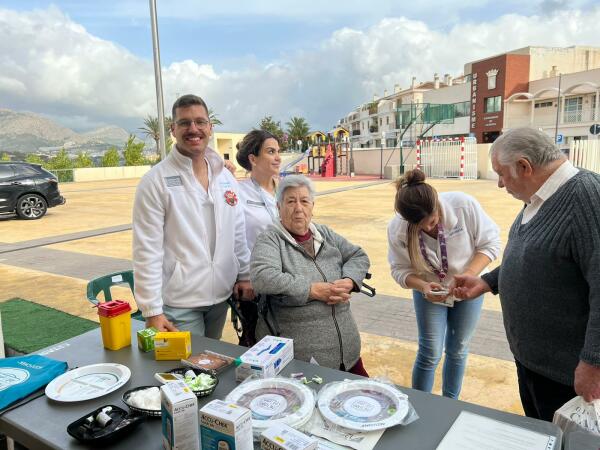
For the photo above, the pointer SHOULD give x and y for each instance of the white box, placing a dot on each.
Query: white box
(284, 437)
(179, 411)
(225, 426)
(266, 358)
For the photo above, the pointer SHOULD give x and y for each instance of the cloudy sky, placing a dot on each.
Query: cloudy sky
(88, 64)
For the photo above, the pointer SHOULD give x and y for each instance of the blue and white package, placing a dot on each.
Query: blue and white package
(265, 359)
(23, 375)
(225, 426)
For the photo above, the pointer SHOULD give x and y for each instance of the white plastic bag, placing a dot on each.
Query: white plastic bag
(578, 415)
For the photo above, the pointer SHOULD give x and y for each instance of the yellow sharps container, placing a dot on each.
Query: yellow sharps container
(115, 323)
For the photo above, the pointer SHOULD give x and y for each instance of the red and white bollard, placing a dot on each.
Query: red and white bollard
(462, 158)
(418, 153)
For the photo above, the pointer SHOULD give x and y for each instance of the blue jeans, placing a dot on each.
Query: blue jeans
(201, 321)
(438, 323)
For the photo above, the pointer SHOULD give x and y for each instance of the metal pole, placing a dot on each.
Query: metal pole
(381, 156)
(557, 108)
(158, 80)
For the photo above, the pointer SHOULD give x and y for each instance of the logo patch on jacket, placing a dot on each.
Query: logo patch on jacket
(230, 198)
(173, 181)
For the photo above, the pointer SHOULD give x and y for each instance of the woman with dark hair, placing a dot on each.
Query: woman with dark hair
(432, 238)
(258, 153)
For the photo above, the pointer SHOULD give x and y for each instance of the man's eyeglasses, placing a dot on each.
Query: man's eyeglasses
(186, 123)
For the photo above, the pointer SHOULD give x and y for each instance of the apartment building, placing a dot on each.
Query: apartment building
(481, 103)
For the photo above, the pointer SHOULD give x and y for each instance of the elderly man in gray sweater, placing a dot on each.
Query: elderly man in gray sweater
(549, 280)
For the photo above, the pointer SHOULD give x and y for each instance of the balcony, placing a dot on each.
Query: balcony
(373, 128)
(579, 116)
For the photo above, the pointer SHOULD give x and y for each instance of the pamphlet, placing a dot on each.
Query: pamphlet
(474, 432)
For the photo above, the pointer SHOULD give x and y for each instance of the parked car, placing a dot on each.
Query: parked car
(27, 190)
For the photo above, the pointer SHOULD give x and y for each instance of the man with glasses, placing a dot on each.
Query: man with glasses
(549, 283)
(189, 242)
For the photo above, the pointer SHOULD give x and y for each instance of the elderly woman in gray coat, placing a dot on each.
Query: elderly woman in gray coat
(309, 272)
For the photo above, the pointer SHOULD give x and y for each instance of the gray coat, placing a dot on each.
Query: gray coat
(281, 268)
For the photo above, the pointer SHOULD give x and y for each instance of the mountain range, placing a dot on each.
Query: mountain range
(26, 132)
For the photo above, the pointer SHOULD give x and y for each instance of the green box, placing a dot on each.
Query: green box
(145, 339)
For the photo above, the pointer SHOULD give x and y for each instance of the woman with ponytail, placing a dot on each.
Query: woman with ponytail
(432, 238)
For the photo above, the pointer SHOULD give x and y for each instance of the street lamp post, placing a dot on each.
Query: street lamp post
(158, 81)
(381, 155)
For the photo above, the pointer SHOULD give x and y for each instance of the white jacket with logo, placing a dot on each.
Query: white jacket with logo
(468, 230)
(171, 254)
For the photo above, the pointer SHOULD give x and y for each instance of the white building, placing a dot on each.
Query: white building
(569, 113)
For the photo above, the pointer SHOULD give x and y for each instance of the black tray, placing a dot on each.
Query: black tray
(201, 393)
(135, 409)
(121, 425)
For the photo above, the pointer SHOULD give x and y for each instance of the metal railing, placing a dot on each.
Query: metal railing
(579, 115)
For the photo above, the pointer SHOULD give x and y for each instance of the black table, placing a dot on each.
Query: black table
(577, 440)
(42, 423)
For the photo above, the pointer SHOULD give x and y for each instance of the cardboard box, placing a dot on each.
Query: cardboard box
(172, 345)
(145, 339)
(266, 358)
(179, 411)
(225, 426)
(284, 437)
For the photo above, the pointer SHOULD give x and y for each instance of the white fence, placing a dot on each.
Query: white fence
(448, 158)
(585, 154)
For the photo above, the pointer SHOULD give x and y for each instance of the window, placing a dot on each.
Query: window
(25, 170)
(387, 120)
(462, 109)
(491, 74)
(6, 171)
(493, 104)
(544, 104)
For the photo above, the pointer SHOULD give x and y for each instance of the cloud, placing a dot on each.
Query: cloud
(52, 65)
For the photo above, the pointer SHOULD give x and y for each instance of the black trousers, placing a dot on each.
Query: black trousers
(541, 396)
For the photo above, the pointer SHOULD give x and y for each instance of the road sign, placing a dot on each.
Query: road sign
(595, 129)
(560, 138)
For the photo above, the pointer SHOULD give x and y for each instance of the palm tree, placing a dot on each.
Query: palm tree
(214, 117)
(298, 129)
(151, 129)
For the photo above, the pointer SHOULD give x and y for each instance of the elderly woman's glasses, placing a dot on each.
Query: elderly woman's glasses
(186, 123)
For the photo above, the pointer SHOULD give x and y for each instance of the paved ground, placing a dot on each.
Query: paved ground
(50, 261)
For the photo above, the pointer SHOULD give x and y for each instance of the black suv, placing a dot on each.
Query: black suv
(27, 190)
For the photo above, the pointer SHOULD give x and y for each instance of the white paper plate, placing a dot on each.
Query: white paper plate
(362, 405)
(88, 382)
(275, 400)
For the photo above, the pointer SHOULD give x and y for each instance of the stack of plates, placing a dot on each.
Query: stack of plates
(273, 401)
(362, 405)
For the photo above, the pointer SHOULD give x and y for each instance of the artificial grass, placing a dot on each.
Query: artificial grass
(28, 327)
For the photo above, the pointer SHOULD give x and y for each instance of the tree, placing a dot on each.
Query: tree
(5, 157)
(34, 159)
(61, 161)
(214, 117)
(268, 124)
(83, 160)
(133, 152)
(298, 129)
(111, 158)
(151, 130)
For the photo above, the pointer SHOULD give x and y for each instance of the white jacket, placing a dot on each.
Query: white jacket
(171, 254)
(468, 230)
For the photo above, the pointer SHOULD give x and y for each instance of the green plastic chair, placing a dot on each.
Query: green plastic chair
(104, 283)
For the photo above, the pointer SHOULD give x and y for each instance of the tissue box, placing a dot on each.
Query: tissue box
(172, 345)
(266, 358)
(284, 437)
(225, 426)
(179, 411)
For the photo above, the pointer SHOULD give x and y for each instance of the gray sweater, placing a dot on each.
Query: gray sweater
(549, 282)
(281, 268)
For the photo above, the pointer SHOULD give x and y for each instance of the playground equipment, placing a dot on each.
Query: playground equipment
(448, 158)
(329, 159)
